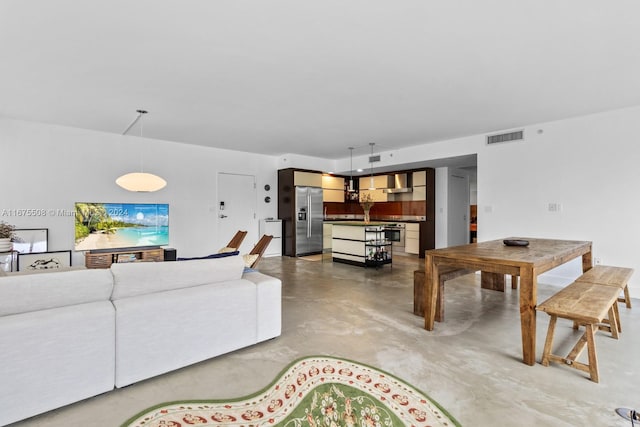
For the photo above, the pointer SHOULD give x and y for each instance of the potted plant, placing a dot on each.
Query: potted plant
(366, 201)
(6, 234)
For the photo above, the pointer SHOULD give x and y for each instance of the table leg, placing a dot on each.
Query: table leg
(528, 298)
(586, 262)
(430, 292)
(492, 281)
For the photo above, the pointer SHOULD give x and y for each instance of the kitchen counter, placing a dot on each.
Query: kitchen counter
(359, 218)
(357, 243)
(360, 223)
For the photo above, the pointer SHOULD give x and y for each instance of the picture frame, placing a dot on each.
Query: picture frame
(44, 260)
(30, 240)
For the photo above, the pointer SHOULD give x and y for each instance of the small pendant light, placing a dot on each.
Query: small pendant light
(351, 171)
(372, 185)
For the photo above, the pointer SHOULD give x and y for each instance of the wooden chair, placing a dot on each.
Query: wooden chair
(236, 240)
(259, 248)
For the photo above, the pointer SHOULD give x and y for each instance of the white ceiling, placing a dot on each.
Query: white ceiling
(318, 76)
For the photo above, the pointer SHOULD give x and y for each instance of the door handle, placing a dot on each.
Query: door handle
(223, 216)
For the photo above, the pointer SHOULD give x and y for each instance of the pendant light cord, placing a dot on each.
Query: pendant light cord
(371, 185)
(351, 170)
(132, 124)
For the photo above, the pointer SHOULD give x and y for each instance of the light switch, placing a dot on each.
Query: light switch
(554, 207)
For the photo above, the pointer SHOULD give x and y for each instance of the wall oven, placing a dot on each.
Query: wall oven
(395, 234)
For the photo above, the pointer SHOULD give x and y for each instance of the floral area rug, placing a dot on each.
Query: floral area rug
(313, 391)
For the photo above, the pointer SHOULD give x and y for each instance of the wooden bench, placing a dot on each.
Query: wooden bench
(445, 273)
(610, 276)
(587, 304)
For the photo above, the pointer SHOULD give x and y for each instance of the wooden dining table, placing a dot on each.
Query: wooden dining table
(495, 259)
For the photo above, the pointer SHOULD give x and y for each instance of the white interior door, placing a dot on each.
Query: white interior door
(237, 196)
(458, 225)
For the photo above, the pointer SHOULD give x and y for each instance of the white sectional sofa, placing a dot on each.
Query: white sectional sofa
(67, 336)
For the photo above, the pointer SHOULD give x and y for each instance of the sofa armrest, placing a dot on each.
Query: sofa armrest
(269, 303)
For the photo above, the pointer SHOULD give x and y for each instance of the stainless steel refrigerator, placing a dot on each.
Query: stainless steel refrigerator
(308, 220)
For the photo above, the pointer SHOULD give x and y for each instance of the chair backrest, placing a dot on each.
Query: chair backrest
(260, 247)
(236, 241)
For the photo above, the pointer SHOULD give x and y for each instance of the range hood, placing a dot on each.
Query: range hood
(399, 183)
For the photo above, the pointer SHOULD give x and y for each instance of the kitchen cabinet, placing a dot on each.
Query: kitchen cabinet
(333, 196)
(419, 193)
(326, 237)
(332, 182)
(419, 178)
(412, 238)
(272, 227)
(307, 179)
(332, 189)
(379, 182)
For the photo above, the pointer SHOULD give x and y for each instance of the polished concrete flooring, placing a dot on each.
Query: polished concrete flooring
(471, 363)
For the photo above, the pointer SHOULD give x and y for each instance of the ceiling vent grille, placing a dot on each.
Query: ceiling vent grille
(505, 137)
(373, 159)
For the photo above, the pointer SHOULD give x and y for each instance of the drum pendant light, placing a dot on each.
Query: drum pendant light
(140, 181)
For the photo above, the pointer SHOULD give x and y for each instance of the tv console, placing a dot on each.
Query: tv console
(102, 259)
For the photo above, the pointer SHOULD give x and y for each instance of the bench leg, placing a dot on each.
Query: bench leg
(514, 282)
(614, 320)
(548, 343)
(591, 349)
(627, 300)
(586, 340)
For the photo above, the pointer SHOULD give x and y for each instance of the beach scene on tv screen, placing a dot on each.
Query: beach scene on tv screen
(120, 225)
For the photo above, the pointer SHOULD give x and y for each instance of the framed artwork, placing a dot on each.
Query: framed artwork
(30, 240)
(44, 260)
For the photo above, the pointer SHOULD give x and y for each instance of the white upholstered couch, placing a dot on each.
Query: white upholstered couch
(67, 336)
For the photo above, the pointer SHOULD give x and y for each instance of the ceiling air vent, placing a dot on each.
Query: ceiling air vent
(505, 137)
(373, 159)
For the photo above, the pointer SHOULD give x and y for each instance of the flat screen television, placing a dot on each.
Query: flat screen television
(114, 226)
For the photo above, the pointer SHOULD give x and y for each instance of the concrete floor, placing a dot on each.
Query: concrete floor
(471, 364)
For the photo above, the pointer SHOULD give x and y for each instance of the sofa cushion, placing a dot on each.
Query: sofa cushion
(227, 249)
(19, 294)
(249, 259)
(137, 278)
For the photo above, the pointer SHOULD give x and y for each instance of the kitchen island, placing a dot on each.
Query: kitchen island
(357, 243)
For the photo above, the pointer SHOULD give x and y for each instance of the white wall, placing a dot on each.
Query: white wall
(442, 207)
(51, 167)
(588, 164)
